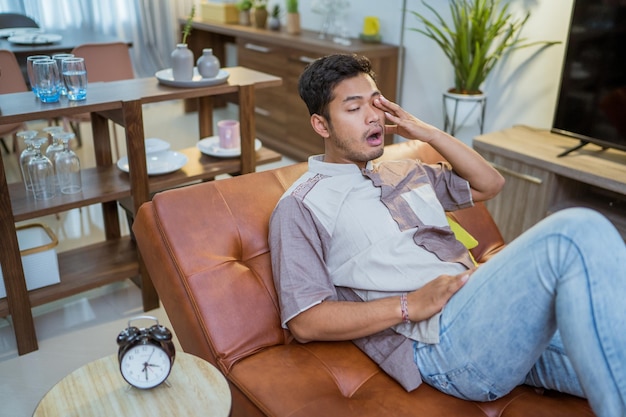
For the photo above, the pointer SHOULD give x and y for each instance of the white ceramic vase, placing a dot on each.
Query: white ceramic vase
(208, 64)
(182, 63)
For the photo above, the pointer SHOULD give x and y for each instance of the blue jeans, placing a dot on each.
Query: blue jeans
(549, 310)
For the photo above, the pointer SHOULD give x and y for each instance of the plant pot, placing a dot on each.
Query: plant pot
(293, 23)
(463, 110)
(273, 23)
(244, 18)
(260, 18)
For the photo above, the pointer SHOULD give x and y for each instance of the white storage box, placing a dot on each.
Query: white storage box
(39, 258)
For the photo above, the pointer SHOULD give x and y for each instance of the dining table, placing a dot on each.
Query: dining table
(63, 42)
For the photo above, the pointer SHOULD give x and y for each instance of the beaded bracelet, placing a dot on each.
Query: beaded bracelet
(404, 307)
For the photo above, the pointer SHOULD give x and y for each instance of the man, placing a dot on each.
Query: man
(363, 252)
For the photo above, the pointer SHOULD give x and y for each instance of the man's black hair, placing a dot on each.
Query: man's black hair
(317, 82)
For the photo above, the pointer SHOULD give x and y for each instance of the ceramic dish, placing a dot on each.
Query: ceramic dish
(154, 145)
(165, 77)
(211, 146)
(35, 39)
(158, 163)
(8, 32)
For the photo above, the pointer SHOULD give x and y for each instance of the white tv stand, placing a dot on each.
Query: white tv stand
(538, 182)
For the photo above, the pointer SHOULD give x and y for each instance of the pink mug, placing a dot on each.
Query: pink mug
(229, 134)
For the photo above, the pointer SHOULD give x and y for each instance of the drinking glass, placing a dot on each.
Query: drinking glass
(26, 155)
(59, 60)
(41, 172)
(56, 146)
(29, 70)
(67, 166)
(75, 77)
(47, 80)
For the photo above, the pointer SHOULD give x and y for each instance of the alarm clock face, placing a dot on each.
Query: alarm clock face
(145, 366)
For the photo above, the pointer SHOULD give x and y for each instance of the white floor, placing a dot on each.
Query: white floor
(82, 328)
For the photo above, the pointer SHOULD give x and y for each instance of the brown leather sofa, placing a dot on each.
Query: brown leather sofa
(205, 247)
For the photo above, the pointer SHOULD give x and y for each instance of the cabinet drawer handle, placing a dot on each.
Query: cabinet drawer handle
(306, 59)
(516, 174)
(257, 48)
(262, 112)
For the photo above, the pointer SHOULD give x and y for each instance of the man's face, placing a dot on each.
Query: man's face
(356, 134)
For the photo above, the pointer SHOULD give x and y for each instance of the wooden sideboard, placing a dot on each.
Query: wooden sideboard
(116, 258)
(283, 121)
(538, 182)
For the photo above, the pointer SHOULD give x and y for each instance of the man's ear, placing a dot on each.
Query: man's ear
(320, 125)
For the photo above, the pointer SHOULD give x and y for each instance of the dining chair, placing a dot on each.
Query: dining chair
(104, 62)
(11, 81)
(16, 20)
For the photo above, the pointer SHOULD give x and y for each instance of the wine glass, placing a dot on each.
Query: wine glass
(67, 166)
(56, 146)
(41, 172)
(26, 155)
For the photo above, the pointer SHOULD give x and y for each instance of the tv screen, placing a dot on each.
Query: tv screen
(591, 104)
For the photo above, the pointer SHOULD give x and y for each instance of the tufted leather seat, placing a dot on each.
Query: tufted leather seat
(205, 247)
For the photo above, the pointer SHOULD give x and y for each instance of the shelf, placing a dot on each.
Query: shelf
(104, 184)
(204, 167)
(100, 185)
(87, 268)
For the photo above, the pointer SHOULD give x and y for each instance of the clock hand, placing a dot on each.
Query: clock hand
(146, 364)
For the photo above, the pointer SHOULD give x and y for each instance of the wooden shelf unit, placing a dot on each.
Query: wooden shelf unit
(283, 121)
(538, 182)
(116, 258)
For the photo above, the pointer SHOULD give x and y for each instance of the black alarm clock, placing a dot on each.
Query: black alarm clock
(146, 355)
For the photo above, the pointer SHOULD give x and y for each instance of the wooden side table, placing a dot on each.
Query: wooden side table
(194, 388)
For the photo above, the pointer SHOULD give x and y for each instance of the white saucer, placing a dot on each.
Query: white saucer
(35, 38)
(156, 145)
(211, 146)
(8, 32)
(158, 163)
(165, 77)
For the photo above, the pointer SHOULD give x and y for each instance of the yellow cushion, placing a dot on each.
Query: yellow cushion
(463, 236)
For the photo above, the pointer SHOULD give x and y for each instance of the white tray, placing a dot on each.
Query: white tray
(165, 77)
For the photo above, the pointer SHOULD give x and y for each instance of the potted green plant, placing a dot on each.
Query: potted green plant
(260, 13)
(274, 20)
(293, 17)
(244, 7)
(480, 33)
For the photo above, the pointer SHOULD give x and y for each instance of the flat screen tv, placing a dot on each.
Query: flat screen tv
(591, 105)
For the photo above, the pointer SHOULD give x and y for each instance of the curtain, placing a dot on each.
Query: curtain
(151, 25)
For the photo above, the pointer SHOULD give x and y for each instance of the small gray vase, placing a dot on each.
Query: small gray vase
(208, 64)
(182, 63)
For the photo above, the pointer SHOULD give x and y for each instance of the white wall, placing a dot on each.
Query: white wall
(521, 90)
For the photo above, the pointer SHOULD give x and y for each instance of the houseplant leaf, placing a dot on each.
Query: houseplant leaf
(479, 34)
